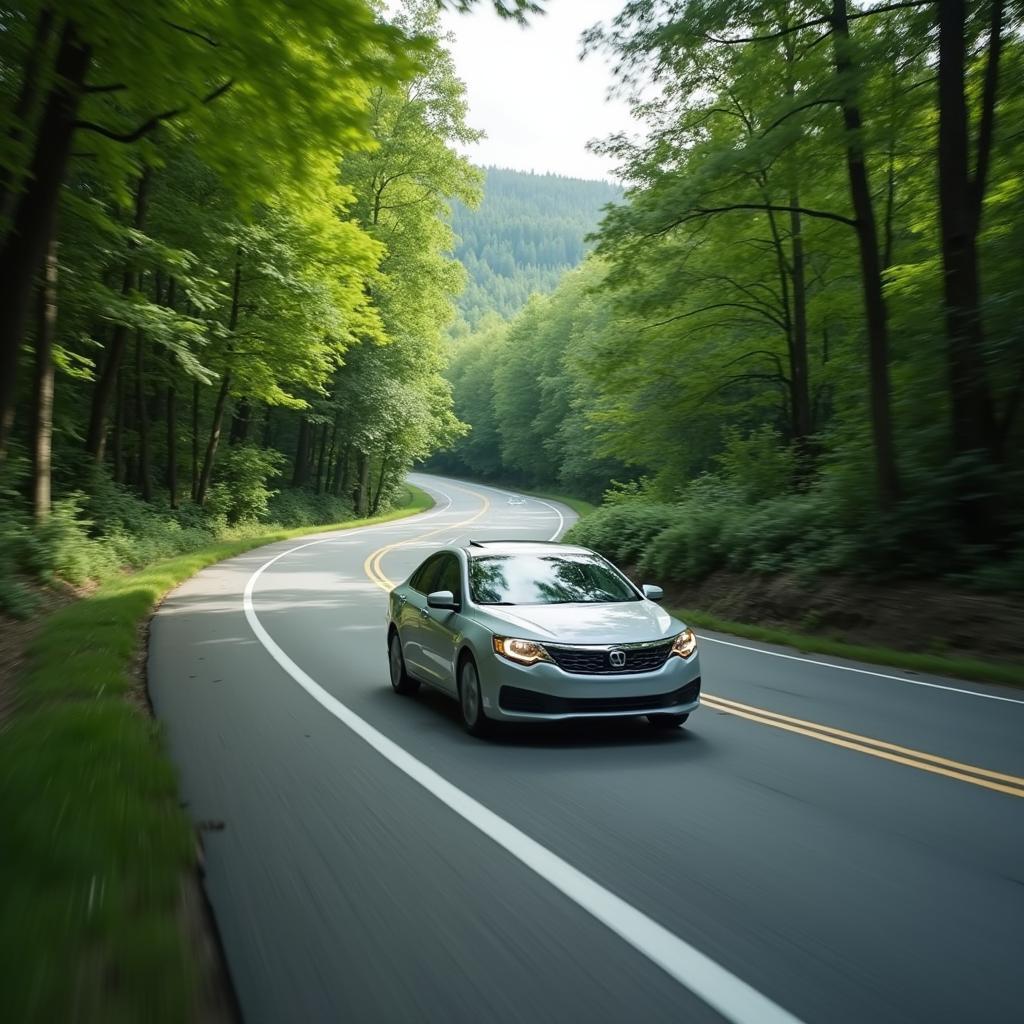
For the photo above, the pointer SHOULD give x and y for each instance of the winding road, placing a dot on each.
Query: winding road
(824, 841)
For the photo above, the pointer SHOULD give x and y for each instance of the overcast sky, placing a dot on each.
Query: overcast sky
(528, 90)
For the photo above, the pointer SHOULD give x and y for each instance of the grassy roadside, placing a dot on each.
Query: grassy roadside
(932, 664)
(95, 850)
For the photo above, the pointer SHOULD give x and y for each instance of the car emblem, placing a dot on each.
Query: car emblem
(617, 659)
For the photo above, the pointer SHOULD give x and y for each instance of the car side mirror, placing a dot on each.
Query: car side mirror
(441, 599)
(653, 593)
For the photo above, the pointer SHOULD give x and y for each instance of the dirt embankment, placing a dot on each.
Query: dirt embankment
(919, 617)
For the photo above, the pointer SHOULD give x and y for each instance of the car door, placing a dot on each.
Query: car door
(441, 634)
(412, 618)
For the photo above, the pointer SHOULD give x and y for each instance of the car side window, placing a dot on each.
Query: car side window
(422, 579)
(450, 577)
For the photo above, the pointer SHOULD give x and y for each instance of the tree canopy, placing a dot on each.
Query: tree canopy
(806, 292)
(227, 252)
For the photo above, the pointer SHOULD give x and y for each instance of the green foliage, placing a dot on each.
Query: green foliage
(241, 492)
(519, 385)
(759, 465)
(716, 346)
(253, 293)
(624, 530)
(293, 507)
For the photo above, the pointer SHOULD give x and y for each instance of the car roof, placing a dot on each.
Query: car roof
(482, 548)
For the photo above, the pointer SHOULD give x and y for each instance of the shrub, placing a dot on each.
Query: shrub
(758, 465)
(690, 547)
(301, 508)
(92, 535)
(241, 492)
(622, 531)
(61, 547)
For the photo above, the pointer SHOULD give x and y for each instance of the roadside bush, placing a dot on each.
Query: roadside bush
(689, 548)
(61, 547)
(622, 531)
(757, 465)
(792, 531)
(15, 533)
(93, 534)
(241, 492)
(302, 508)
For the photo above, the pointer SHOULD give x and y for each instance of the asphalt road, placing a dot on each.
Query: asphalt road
(823, 842)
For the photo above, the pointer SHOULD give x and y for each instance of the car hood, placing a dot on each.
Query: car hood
(615, 623)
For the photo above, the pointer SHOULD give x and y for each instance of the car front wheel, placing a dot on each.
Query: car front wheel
(470, 701)
(667, 721)
(401, 681)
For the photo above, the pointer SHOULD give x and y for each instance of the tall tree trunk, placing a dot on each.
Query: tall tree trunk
(974, 421)
(799, 375)
(332, 456)
(214, 439)
(360, 497)
(117, 453)
(300, 471)
(42, 387)
(886, 473)
(341, 474)
(25, 104)
(32, 220)
(799, 371)
(268, 431)
(321, 460)
(195, 440)
(171, 478)
(96, 436)
(380, 485)
(315, 432)
(222, 395)
(332, 465)
(142, 418)
(241, 419)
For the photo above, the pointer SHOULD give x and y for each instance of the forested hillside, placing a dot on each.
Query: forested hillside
(226, 273)
(797, 344)
(525, 234)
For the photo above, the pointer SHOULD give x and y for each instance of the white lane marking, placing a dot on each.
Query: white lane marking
(732, 997)
(529, 498)
(862, 671)
(561, 518)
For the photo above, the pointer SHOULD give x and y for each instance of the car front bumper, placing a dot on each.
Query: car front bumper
(544, 692)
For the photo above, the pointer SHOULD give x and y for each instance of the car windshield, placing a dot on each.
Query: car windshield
(546, 579)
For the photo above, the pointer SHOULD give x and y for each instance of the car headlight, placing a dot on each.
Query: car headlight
(685, 644)
(524, 652)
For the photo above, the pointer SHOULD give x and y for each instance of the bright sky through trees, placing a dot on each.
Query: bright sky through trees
(528, 90)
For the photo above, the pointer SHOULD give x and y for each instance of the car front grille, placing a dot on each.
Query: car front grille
(593, 661)
(513, 698)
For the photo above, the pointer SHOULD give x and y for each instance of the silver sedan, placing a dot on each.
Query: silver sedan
(520, 630)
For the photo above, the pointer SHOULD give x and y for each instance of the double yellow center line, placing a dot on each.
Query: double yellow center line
(985, 777)
(372, 565)
(1000, 782)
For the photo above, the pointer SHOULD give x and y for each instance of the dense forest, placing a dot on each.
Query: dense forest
(797, 344)
(526, 233)
(227, 270)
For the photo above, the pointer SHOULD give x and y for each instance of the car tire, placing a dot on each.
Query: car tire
(401, 681)
(471, 705)
(668, 721)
